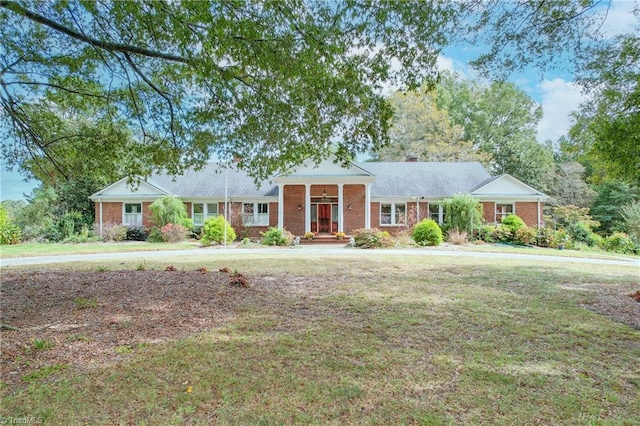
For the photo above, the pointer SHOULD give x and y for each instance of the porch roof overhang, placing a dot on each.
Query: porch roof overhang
(323, 180)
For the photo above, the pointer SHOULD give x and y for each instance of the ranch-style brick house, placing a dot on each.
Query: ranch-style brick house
(324, 198)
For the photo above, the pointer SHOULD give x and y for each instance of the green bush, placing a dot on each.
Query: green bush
(427, 233)
(525, 235)
(10, 233)
(631, 216)
(169, 209)
(462, 213)
(513, 222)
(372, 238)
(136, 233)
(487, 233)
(619, 242)
(277, 237)
(213, 231)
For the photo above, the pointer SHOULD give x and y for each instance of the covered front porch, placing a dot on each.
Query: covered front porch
(324, 200)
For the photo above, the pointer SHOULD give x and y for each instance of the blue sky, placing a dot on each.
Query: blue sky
(556, 92)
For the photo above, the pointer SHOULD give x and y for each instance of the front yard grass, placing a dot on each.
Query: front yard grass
(370, 340)
(56, 249)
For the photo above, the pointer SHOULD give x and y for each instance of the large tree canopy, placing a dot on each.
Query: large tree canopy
(607, 126)
(272, 82)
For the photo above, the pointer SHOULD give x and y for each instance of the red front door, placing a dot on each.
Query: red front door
(324, 218)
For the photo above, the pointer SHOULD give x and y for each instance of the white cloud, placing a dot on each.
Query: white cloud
(559, 99)
(619, 18)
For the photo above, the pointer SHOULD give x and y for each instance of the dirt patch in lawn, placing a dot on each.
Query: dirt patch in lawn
(89, 319)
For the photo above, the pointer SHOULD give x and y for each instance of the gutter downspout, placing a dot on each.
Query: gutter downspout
(538, 213)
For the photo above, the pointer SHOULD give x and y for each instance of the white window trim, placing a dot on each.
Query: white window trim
(137, 216)
(501, 215)
(440, 218)
(253, 219)
(393, 214)
(205, 211)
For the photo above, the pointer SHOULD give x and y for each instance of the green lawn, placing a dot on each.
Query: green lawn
(373, 339)
(56, 249)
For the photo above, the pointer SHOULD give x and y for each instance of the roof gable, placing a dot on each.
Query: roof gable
(329, 168)
(139, 188)
(505, 185)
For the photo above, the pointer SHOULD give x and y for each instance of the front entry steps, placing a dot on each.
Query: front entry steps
(324, 239)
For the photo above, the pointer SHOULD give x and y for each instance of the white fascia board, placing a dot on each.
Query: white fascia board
(324, 180)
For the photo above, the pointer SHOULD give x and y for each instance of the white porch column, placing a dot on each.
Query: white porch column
(307, 207)
(367, 206)
(281, 207)
(100, 201)
(340, 208)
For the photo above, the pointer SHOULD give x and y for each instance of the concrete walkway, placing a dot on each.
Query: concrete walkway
(310, 250)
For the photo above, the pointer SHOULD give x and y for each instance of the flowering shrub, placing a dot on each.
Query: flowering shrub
(525, 235)
(372, 238)
(173, 233)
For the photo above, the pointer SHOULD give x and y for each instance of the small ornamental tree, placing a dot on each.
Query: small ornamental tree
(169, 209)
(462, 213)
(213, 231)
(427, 233)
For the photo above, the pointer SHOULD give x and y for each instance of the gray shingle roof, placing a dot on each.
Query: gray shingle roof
(392, 180)
(210, 182)
(425, 179)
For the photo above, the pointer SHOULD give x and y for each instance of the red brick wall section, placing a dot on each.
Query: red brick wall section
(375, 215)
(293, 196)
(489, 211)
(273, 214)
(187, 206)
(527, 211)
(111, 213)
(353, 219)
(146, 215)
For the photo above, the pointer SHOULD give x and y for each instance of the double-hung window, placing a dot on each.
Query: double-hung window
(503, 210)
(132, 214)
(255, 214)
(393, 214)
(202, 211)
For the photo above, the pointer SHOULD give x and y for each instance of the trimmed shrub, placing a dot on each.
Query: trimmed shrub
(173, 233)
(372, 238)
(513, 222)
(503, 234)
(427, 233)
(213, 231)
(136, 233)
(619, 242)
(277, 237)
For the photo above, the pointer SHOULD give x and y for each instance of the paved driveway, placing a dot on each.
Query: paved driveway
(314, 250)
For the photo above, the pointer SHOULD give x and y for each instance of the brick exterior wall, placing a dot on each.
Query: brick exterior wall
(293, 196)
(273, 214)
(528, 212)
(353, 195)
(489, 211)
(111, 213)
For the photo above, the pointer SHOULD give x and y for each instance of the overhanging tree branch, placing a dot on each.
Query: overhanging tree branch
(114, 47)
